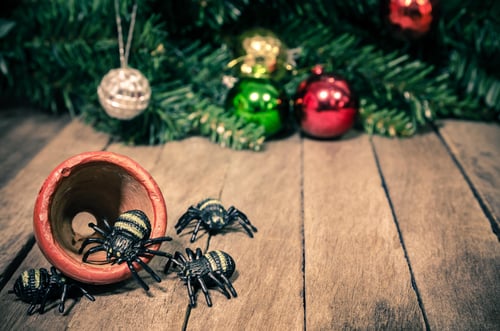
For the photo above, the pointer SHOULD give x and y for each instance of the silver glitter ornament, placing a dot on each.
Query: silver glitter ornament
(124, 93)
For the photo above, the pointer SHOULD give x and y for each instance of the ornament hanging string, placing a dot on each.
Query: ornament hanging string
(124, 51)
(124, 93)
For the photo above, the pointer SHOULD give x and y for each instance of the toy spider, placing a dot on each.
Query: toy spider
(36, 286)
(213, 216)
(126, 241)
(215, 267)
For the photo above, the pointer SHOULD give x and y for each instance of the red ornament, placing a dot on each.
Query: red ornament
(324, 105)
(85, 188)
(410, 18)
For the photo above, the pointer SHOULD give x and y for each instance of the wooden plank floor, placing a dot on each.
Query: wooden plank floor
(361, 233)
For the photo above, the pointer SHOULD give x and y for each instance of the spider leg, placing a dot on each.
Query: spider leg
(155, 252)
(174, 259)
(228, 284)
(190, 254)
(63, 298)
(167, 265)
(137, 277)
(31, 309)
(198, 253)
(93, 250)
(84, 292)
(41, 310)
(191, 214)
(88, 241)
(178, 255)
(148, 269)
(219, 284)
(247, 228)
(98, 229)
(196, 229)
(233, 212)
(205, 291)
(106, 224)
(156, 240)
(192, 298)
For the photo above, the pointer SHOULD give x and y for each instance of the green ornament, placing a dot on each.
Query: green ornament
(259, 101)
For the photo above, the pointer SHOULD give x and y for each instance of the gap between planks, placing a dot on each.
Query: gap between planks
(454, 255)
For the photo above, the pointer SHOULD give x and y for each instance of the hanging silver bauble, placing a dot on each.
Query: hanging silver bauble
(124, 93)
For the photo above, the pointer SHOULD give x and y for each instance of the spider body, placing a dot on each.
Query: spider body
(206, 270)
(213, 216)
(126, 241)
(37, 286)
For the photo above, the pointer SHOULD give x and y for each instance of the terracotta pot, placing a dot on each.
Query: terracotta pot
(87, 188)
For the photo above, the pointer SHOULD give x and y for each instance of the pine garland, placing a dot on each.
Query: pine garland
(54, 54)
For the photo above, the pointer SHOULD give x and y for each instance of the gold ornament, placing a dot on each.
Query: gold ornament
(124, 93)
(263, 54)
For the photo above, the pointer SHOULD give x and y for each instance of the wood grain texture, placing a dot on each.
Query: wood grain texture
(185, 171)
(9, 118)
(12, 116)
(17, 198)
(329, 253)
(357, 277)
(453, 253)
(476, 146)
(23, 138)
(268, 278)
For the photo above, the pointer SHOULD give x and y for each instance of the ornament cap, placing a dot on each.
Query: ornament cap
(317, 69)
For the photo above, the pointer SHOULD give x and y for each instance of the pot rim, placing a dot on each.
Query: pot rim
(56, 254)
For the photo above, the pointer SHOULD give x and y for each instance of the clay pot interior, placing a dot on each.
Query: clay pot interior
(91, 192)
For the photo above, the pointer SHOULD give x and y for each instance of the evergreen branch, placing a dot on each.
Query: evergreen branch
(386, 122)
(402, 88)
(477, 83)
(474, 28)
(57, 52)
(226, 130)
(5, 27)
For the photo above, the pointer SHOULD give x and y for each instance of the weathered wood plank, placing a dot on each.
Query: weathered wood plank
(23, 137)
(10, 117)
(185, 171)
(18, 197)
(454, 255)
(356, 274)
(476, 146)
(356, 277)
(268, 279)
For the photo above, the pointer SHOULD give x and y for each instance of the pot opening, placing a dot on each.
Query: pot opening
(90, 193)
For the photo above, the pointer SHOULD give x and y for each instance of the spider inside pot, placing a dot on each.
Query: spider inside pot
(126, 241)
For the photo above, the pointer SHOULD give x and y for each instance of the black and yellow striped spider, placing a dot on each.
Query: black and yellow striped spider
(213, 216)
(126, 241)
(212, 268)
(37, 286)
